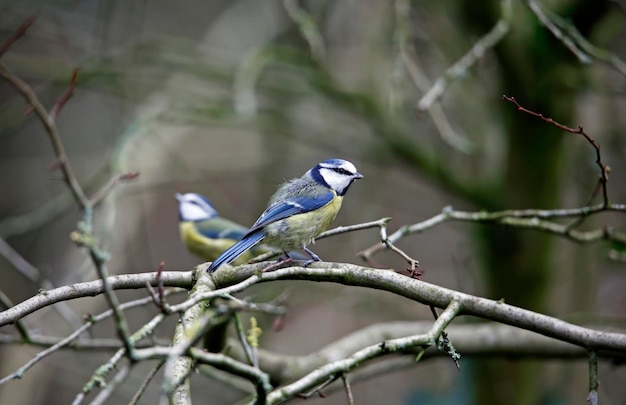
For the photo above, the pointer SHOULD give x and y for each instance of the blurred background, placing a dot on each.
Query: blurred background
(230, 98)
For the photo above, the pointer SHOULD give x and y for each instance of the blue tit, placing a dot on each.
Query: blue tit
(298, 211)
(205, 233)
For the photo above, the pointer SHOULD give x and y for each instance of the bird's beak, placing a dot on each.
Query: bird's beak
(179, 197)
(358, 175)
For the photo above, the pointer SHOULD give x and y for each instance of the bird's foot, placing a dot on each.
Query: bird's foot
(314, 257)
(279, 263)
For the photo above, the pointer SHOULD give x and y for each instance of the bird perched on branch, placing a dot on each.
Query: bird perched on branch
(298, 211)
(205, 233)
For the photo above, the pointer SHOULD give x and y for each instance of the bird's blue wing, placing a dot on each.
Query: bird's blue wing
(224, 234)
(220, 228)
(232, 253)
(276, 212)
(291, 206)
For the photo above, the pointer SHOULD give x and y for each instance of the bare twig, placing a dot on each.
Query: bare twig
(389, 244)
(461, 67)
(604, 170)
(84, 236)
(50, 126)
(529, 219)
(408, 58)
(557, 32)
(99, 376)
(346, 384)
(69, 92)
(144, 385)
(158, 298)
(110, 387)
(56, 344)
(241, 335)
(569, 35)
(592, 397)
(319, 390)
(19, 325)
(90, 289)
(17, 34)
(308, 28)
(357, 227)
(337, 368)
(104, 191)
(34, 275)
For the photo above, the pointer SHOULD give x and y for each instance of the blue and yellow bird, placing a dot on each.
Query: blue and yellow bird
(205, 233)
(298, 211)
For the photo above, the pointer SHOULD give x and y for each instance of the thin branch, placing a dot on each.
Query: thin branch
(19, 325)
(337, 368)
(34, 275)
(241, 336)
(17, 34)
(592, 397)
(557, 32)
(98, 378)
(529, 219)
(106, 190)
(460, 68)
(408, 58)
(51, 129)
(112, 385)
(69, 92)
(604, 170)
(308, 28)
(569, 35)
(346, 384)
(70, 341)
(357, 227)
(144, 385)
(90, 289)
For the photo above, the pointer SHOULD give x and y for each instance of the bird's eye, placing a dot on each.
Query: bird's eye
(341, 170)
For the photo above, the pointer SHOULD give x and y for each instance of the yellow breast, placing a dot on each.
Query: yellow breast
(301, 229)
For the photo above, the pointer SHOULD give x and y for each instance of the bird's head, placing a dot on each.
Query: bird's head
(194, 207)
(336, 174)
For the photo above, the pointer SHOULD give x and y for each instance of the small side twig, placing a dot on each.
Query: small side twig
(241, 335)
(386, 242)
(458, 69)
(592, 397)
(346, 384)
(104, 191)
(158, 298)
(6, 302)
(308, 28)
(444, 343)
(17, 34)
(319, 390)
(69, 92)
(144, 385)
(604, 170)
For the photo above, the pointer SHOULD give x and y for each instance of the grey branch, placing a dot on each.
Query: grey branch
(92, 288)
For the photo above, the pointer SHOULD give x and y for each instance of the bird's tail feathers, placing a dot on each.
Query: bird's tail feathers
(236, 250)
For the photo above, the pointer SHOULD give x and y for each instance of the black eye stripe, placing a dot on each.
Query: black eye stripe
(341, 170)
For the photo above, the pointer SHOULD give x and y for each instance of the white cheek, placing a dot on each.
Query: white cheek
(335, 180)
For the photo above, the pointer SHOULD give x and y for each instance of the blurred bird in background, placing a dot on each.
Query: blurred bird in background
(298, 211)
(205, 233)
